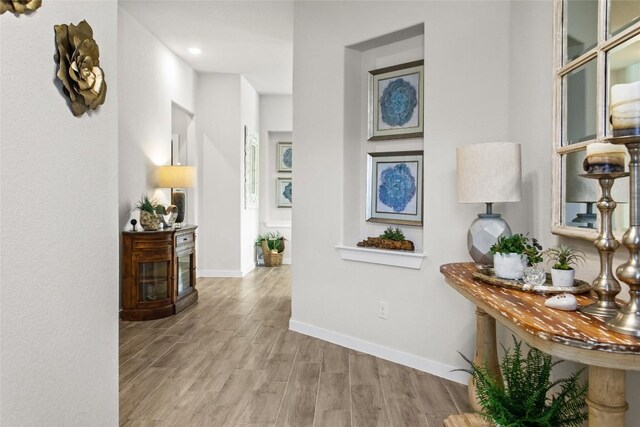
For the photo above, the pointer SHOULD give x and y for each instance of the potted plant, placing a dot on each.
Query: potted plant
(269, 247)
(523, 399)
(149, 220)
(564, 258)
(512, 254)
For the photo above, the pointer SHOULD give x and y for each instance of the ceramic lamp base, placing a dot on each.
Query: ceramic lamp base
(483, 234)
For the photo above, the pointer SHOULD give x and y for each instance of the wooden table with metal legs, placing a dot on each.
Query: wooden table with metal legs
(571, 336)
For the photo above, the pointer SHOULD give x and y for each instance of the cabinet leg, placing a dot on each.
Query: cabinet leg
(486, 352)
(606, 399)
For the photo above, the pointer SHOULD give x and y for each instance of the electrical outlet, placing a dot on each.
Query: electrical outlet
(383, 310)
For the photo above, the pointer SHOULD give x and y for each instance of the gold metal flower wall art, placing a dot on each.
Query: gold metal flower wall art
(19, 6)
(78, 59)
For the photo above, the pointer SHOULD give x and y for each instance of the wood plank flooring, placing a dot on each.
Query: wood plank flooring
(230, 360)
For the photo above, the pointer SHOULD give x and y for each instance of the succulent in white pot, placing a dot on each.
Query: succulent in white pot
(512, 254)
(564, 258)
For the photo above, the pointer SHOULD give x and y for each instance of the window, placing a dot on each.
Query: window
(597, 45)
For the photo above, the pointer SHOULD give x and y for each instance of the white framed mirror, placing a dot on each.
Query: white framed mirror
(596, 46)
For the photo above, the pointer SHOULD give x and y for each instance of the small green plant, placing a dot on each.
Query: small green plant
(393, 234)
(519, 244)
(274, 240)
(145, 204)
(522, 400)
(564, 257)
(260, 238)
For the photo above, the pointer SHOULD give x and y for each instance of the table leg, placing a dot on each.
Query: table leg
(606, 402)
(486, 351)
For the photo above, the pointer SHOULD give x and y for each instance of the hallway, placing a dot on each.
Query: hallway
(230, 360)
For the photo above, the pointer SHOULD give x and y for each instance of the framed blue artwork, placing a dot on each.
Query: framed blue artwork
(394, 188)
(285, 156)
(283, 193)
(396, 104)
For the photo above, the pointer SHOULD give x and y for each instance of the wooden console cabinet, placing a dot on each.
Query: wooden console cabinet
(158, 272)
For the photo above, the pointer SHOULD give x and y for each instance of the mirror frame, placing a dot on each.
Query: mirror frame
(599, 53)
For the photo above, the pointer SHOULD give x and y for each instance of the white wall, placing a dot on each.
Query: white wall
(153, 78)
(249, 117)
(530, 123)
(507, 97)
(225, 103)
(276, 117)
(59, 226)
(218, 136)
(336, 298)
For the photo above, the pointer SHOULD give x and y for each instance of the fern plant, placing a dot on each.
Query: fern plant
(522, 400)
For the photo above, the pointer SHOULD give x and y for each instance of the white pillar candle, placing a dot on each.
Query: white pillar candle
(625, 109)
(605, 158)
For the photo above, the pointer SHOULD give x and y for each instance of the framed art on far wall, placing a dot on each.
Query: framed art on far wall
(394, 187)
(283, 192)
(285, 156)
(396, 104)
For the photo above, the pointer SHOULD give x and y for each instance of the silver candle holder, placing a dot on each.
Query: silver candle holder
(605, 285)
(627, 321)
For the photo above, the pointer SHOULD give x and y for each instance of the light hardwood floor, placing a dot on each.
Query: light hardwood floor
(230, 360)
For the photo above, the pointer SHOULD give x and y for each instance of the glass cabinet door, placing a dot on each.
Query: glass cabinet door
(185, 266)
(153, 280)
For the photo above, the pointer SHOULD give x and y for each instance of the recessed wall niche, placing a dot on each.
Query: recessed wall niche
(403, 46)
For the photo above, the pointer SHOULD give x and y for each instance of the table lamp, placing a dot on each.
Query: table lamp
(488, 173)
(177, 178)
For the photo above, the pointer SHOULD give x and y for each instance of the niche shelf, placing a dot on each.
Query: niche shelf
(381, 256)
(406, 45)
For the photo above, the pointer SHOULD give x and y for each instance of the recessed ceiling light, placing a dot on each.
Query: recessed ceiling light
(195, 50)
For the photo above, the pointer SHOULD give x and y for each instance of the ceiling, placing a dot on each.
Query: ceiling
(253, 38)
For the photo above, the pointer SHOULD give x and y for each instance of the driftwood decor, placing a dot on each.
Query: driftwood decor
(18, 7)
(378, 242)
(78, 59)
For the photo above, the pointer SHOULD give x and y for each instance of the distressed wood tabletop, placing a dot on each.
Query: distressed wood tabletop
(527, 311)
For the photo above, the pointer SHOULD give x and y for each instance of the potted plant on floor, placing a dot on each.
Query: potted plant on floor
(524, 398)
(512, 254)
(271, 247)
(149, 220)
(564, 258)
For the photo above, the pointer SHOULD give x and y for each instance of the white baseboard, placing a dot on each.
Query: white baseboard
(248, 269)
(411, 360)
(277, 224)
(226, 273)
(286, 261)
(219, 273)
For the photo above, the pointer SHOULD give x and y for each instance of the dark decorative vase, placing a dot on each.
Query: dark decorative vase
(179, 201)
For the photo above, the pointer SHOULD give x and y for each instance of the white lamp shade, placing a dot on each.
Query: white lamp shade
(489, 172)
(176, 176)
